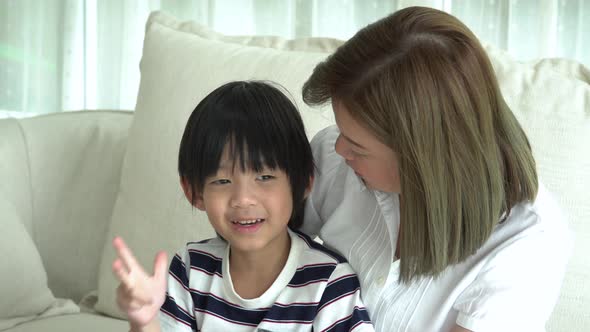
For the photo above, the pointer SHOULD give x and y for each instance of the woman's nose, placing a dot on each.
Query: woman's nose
(342, 149)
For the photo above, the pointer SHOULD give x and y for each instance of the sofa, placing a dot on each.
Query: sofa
(71, 181)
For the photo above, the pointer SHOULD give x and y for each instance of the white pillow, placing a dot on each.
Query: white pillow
(23, 281)
(178, 68)
(551, 99)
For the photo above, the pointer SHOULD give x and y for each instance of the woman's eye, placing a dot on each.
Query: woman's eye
(358, 154)
(265, 177)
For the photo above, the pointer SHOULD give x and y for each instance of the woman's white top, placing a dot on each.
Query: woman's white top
(510, 284)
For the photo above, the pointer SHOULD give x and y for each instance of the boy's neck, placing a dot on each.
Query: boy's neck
(253, 272)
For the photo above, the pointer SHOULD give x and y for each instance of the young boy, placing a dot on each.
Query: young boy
(245, 160)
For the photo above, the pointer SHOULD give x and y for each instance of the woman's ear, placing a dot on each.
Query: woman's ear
(195, 199)
(309, 187)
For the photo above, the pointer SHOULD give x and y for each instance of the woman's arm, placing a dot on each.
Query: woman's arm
(326, 161)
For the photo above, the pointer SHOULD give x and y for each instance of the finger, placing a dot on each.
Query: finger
(125, 254)
(121, 273)
(161, 266)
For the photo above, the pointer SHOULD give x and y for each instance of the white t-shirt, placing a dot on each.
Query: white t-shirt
(510, 284)
(315, 291)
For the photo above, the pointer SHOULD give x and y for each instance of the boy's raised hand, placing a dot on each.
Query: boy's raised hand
(140, 295)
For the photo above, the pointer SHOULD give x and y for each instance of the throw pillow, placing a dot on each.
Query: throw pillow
(181, 63)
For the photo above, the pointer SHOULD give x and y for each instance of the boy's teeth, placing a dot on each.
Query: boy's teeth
(248, 222)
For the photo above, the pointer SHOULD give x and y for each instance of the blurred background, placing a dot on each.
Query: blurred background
(61, 55)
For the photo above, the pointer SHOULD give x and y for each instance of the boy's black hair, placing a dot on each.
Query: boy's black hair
(262, 127)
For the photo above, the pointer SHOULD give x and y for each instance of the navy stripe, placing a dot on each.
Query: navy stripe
(311, 273)
(207, 302)
(172, 309)
(178, 271)
(338, 288)
(302, 313)
(314, 245)
(205, 262)
(358, 316)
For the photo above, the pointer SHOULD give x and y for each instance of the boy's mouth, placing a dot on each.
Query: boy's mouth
(248, 222)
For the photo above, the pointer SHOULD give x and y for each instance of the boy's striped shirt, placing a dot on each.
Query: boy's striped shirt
(316, 291)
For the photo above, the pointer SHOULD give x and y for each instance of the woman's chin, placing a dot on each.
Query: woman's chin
(381, 187)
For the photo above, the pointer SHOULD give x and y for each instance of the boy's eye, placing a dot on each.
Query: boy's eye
(220, 181)
(264, 177)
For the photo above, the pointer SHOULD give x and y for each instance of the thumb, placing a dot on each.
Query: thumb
(161, 266)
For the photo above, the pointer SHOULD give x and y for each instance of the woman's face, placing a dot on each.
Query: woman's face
(370, 159)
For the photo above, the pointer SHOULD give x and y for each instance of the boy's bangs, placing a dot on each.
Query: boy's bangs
(250, 156)
(252, 136)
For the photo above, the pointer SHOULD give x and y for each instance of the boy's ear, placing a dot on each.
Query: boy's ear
(309, 187)
(195, 199)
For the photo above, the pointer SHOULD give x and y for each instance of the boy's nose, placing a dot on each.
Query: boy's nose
(243, 197)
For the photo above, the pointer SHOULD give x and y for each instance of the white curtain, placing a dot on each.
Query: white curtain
(59, 55)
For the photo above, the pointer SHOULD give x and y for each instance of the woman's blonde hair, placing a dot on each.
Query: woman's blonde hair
(422, 83)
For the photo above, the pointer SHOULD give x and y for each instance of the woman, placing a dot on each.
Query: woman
(428, 185)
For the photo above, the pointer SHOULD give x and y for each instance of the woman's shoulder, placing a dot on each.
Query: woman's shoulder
(543, 214)
(547, 209)
(520, 266)
(314, 252)
(535, 225)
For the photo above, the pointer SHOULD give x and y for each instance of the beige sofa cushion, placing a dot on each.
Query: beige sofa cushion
(73, 163)
(23, 281)
(182, 61)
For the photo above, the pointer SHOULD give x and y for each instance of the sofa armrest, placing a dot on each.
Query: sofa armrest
(75, 161)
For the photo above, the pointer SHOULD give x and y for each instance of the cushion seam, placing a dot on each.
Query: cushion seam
(29, 173)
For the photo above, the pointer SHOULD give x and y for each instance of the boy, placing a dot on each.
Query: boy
(245, 160)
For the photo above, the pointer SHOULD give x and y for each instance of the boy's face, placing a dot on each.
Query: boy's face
(250, 210)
